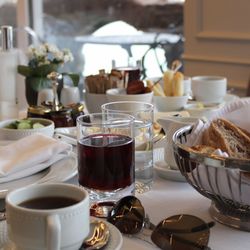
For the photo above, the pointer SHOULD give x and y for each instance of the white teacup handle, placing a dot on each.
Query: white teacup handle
(53, 232)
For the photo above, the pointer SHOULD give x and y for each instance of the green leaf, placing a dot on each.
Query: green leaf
(41, 71)
(44, 70)
(24, 70)
(74, 77)
(38, 83)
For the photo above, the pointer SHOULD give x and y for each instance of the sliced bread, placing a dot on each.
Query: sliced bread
(228, 137)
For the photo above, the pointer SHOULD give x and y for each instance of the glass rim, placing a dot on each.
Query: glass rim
(150, 106)
(129, 119)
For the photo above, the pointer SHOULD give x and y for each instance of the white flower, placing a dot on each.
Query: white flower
(31, 52)
(48, 53)
(58, 56)
(52, 48)
(39, 54)
(42, 49)
(68, 57)
(45, 62)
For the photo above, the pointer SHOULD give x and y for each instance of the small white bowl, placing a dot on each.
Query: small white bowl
(16, 134)
(170, 103)
(94, 102)
(119, 94)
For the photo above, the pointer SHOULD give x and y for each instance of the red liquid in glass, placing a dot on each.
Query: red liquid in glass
(106, 161)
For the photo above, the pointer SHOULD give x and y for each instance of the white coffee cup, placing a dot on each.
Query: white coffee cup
(209, 89)
(187, 86)
(70, 95)
(59, 228)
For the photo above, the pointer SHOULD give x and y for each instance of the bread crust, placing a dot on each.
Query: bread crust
(228, 137)
(203, 149)
(178, 88)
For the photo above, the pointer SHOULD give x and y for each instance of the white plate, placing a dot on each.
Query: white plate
(60, 171)
(163, 169)
(114, 243)
(71, 131)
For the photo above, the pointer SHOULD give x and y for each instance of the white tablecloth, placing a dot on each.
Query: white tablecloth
(169, 198)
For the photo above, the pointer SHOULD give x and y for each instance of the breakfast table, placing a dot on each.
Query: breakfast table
(170, 198)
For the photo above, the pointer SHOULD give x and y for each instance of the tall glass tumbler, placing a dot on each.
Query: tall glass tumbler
(106, 162)
(144, 116)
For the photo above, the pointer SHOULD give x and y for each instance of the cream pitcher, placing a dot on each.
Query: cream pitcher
(170, 125)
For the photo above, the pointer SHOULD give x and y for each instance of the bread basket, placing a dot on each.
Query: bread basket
(225, 181)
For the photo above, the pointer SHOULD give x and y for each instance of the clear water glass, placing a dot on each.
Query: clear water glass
(144, 116)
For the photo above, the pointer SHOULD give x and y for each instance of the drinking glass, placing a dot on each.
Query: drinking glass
(143, 114)
(129, 73)
(106, 161)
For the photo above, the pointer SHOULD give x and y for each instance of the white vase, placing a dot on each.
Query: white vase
(45, 95)
(70, 95)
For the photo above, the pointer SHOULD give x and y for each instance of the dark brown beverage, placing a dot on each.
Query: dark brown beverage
(129, 74)
(53, 202)
(106, 162)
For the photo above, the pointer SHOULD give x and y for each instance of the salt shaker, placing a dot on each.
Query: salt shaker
(55, 77)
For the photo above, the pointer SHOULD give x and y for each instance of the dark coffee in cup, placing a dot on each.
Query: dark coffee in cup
(128, 74)
(53, 202)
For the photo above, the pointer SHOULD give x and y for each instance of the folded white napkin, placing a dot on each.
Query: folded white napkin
(30, 155)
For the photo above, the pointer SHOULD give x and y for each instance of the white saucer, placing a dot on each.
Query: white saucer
(115, 238)
(230, 98)
(114, 243)
(163, 169)
(60, 171)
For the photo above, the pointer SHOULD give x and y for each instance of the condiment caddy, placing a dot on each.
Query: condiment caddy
(61, 115)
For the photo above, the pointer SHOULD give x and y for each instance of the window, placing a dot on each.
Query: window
(65, 22)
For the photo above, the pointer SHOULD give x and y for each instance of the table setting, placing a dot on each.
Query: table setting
(122, 168)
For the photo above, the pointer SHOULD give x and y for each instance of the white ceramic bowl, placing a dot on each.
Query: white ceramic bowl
(94, 102)
(16, 134)
(119, 94)
(170, 103)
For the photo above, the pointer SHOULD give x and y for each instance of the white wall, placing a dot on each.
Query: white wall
(217, 34)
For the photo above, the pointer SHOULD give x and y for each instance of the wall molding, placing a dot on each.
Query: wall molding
(226, 60)
(233, 36)
(218, 35)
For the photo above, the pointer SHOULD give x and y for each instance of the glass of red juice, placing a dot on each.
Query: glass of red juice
(106, 161)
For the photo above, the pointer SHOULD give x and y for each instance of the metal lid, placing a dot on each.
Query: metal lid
(39, 110)
(7, 37)
(64, 111)
(76, 107)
